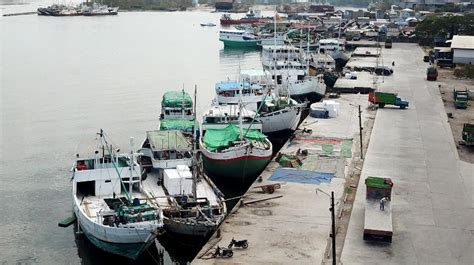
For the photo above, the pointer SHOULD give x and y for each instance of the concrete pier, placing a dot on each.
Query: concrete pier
(432, 196)
(294, 226)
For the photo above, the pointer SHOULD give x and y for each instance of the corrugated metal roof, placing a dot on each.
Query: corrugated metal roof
(462, 42)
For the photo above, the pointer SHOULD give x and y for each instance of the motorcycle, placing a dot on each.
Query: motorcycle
(239, 243)
(223, 252)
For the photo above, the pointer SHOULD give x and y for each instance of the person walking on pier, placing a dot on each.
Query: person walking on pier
(382, 203)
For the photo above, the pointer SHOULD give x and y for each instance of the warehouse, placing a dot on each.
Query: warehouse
(463, 49)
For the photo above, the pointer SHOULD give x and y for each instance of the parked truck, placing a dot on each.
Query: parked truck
(384, 98)
(468, 133)
(431, 74)
(378, 209)
(388, 44)
(460, 98)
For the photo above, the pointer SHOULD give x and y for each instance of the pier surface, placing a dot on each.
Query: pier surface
(294, 228)
(432, 193)
(432, 196)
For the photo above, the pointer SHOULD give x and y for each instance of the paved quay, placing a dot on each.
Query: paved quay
(294, 228)
(432, 196)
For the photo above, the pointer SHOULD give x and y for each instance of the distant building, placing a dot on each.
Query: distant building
(432, 3)
(463, 49)
(318, 8)
(224, 4)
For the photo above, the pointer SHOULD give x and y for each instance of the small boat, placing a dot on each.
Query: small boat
(99, 10)
(209, 24)
(111, 208)
(238, 38)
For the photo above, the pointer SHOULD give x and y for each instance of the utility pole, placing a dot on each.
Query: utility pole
(360, 134)
(333, 235)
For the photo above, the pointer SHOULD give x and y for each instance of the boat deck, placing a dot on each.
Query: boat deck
(92, 205)
(203, 190)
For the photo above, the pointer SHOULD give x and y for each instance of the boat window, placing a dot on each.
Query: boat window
(85, 188)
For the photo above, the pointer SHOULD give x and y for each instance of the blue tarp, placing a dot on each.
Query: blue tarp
(301, 176)
(233, 85)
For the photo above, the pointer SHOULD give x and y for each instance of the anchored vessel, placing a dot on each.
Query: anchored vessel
(231, 151)
(252, 16)
(108, 200)
(238, 38)
(289, 69)
(277, 113)
(177, 112)
(192, 205)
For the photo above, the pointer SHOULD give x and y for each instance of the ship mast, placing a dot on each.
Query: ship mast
(132, 168)
(194, 160)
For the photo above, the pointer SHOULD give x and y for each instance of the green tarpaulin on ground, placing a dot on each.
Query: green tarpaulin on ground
(217, 138)
(178, 124)
(176, 99)
(378, 182)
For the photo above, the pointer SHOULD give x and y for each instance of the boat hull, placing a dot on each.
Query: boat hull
(228, 22)
(128, 250)
(194, 231)
(236, 168)
(282, 122)
(238, 44)
(124, 242)
(311, 97)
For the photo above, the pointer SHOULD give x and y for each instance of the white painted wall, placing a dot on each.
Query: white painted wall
(463, 56)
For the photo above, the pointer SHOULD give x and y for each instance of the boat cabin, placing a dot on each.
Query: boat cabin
(220, 116)
(166, 149)
(177, 105)
(100, 175)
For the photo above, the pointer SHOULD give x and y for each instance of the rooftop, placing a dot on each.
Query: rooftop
(462, 42)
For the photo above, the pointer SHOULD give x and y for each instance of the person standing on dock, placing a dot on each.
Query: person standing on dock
(382, 203)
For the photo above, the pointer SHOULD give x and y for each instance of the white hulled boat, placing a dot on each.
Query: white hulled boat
(110, 205)
(278, 114)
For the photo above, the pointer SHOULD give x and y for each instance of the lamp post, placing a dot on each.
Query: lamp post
(333, 223)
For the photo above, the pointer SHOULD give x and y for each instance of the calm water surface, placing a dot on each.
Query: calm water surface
(62, 79)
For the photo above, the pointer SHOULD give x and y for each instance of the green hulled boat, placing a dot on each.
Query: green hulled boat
(231, 152)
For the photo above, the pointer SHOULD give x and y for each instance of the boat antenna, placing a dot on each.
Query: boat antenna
(240, 113)
(194, 160)
(307, 50)
(274, 52)
(132, 167)
(194, 124)
(182, 104)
